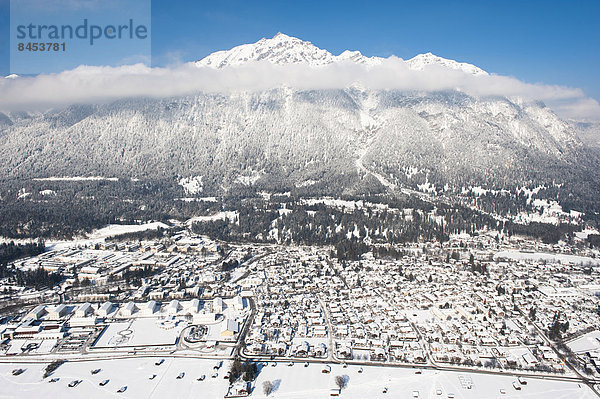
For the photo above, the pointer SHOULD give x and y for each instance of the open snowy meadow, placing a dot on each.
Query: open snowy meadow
(143, 378)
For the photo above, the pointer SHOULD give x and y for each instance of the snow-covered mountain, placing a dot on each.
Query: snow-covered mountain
(293, 136)
(421, 61)
(283, 49)
(353, 139)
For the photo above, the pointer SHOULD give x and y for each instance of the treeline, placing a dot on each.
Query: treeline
(502, 203)
(64, 209)
(135, 276)
(350, 249)
(302, 225)
(38, 278)
(11, 251)
(558, 328)
(388, 253)
(228, 266)
(548, 233)
(231, 264)
(295, 222)
(248, 371)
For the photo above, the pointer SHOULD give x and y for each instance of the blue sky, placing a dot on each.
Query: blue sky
(551, 42)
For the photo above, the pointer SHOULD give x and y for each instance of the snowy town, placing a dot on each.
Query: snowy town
(477, 316)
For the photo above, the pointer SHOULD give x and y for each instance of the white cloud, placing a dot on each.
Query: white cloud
(580, 108)
(87, 84)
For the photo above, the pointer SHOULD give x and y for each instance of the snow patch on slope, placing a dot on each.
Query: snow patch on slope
(546, 211)
(248, 180)
(192, 185)
(77, 178)
(230, 216)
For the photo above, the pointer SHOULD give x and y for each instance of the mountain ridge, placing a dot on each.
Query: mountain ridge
(283, 50)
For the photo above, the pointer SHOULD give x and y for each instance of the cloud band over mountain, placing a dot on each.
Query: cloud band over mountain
(98, 84)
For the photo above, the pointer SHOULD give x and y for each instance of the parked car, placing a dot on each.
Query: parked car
(306, 364)
(54, 379)
(516, 385)
(74, 383)
(522, 380)
(18, 371)
(181, 375)
(122, 389)
(201, 378)
(384, 390)
(159, 362)
(103, 383)
(153, 376)
(95, 371)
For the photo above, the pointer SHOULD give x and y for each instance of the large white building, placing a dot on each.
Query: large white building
(129, 309)
(105, 309)
(84, 310)
(149, 308)
(59, 312)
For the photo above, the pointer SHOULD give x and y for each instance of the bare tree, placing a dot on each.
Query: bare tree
(268, 387)
(51, 367)
(340, 382)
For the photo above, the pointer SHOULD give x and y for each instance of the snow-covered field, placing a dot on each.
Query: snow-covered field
(562, 258)
(132, 373)
(139, 332)
(583, 235)
(587, 343)
(231, 216)
(339, 203)
(199, 199)
(105, 232)
(116, 229)
(299, 382)
(290, 382)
